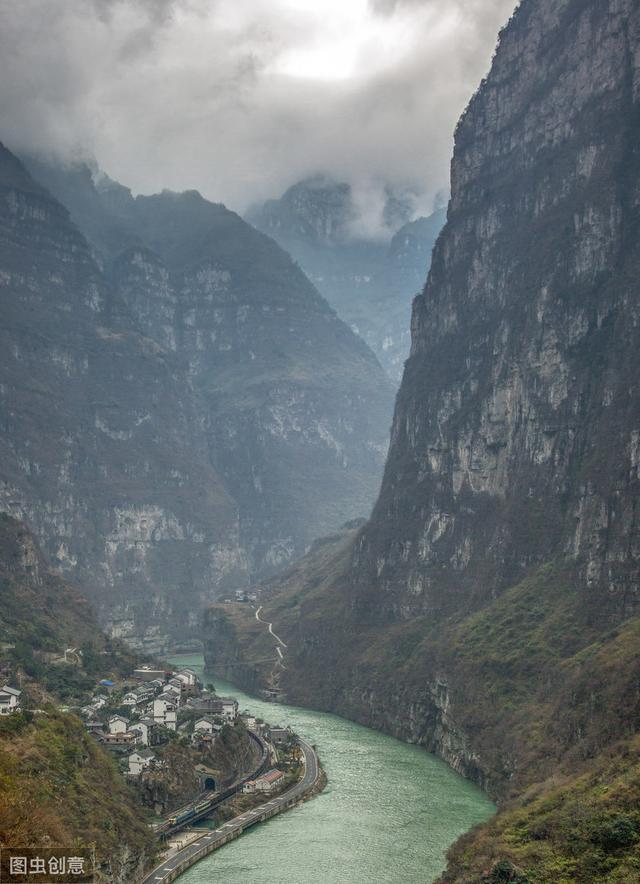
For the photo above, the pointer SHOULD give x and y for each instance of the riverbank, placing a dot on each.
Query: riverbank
(389, 813)
(200, 847)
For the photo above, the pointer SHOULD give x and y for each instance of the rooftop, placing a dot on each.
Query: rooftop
(271, 775)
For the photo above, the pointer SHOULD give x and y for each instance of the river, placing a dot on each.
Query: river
(387, 816)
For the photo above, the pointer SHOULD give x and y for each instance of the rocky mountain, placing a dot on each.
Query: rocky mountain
(180, 409)
(102, 449)
(369, 280)
(489, 610)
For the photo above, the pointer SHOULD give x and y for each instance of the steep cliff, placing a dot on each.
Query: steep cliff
(489, 609)
(101, 448)
(294, 408)
(180, 409)
(297, 408)
(369, 276)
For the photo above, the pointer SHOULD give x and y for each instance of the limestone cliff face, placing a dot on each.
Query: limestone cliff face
(515, 438)
(102, 452)
(294, 407)
(180, 409)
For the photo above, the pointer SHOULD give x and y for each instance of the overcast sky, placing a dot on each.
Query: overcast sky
(241, 98)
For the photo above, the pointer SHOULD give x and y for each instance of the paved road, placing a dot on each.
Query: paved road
(240, 823)
(270, 625)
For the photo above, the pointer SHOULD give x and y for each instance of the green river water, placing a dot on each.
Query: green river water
(387, 816)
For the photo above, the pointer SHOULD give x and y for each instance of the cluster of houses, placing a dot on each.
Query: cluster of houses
(151, 710)
(9, 700)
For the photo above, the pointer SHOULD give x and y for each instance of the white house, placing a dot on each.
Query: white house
(9, 700)
(205, 726)
(189, 675)
(229, 708)
(130, 699)
(175, 690)
(139, 761)
(269, 781)
(144, 730)
(171, 718)
(118, 724)
(164, 712)
(141, 732)
(188, 679)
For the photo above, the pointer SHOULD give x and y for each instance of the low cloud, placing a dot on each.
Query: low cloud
(242, 102)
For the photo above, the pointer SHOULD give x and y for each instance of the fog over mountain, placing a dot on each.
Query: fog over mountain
(242, 100)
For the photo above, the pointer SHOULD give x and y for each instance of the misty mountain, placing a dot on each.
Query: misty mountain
(369, 280)
(181, 410)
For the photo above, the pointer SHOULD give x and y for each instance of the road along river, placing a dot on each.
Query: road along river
(387, 816)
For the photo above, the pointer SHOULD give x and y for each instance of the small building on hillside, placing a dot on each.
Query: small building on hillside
(174, 690)
(118, 724)
(189, 674)
(94, 727)
(269, 781)
(165, 711)
(229, 708)
(139, 761)
(140, 731)
(145, 673)
(9, 700)
(206, 726)
(119, 739)
(280, 736)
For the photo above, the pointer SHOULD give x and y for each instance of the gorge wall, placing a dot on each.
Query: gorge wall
(168, 389)
(489, 608)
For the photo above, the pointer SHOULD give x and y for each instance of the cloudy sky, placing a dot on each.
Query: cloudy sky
(241, 98)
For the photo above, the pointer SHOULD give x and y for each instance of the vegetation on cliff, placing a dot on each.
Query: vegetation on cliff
(57, 786)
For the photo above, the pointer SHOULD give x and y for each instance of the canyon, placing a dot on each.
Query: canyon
(488, 610)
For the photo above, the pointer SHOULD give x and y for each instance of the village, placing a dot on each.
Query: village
(173, 738)
(159, 717)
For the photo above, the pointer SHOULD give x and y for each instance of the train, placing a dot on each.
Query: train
(216, 798)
